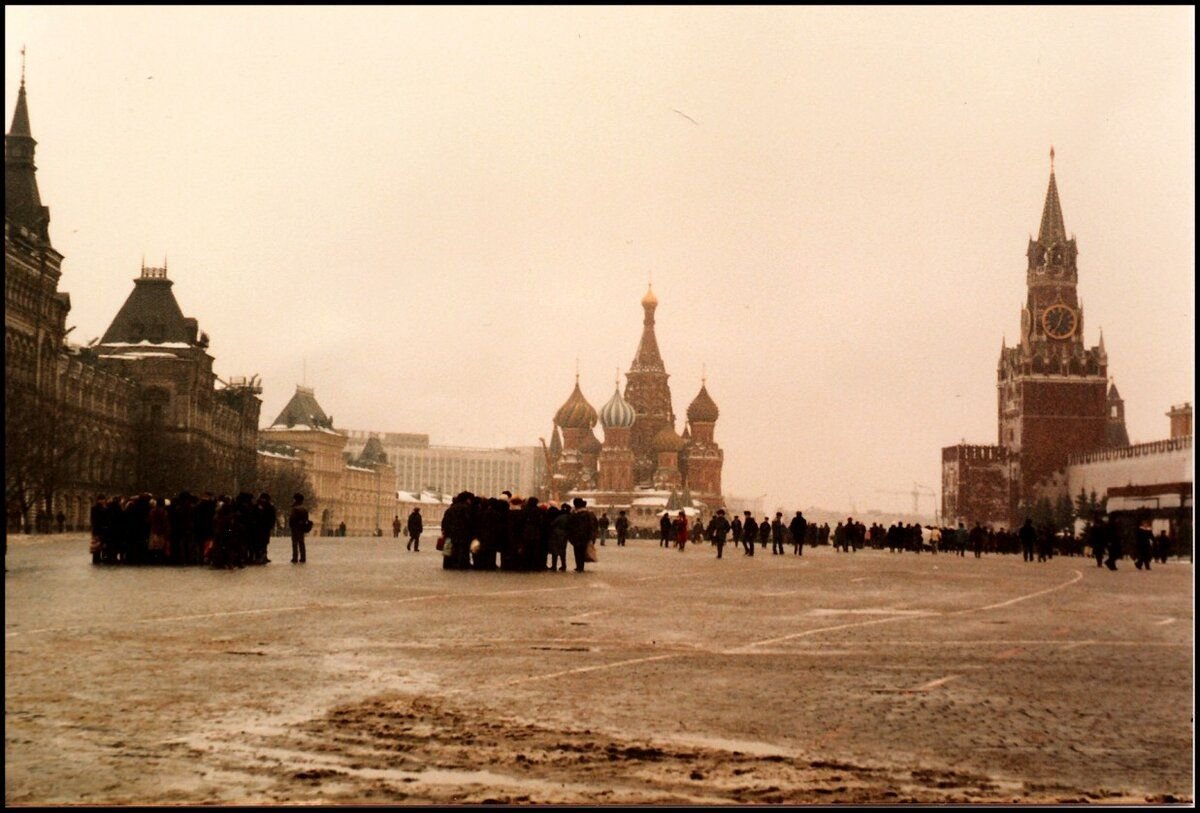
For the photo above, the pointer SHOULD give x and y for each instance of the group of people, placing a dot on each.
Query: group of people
(220, 531)
(512, 533)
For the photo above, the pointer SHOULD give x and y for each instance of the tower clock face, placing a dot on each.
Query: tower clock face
(1059, 321)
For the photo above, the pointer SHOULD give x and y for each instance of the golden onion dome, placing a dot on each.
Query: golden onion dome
(649, 299)
(576, 413)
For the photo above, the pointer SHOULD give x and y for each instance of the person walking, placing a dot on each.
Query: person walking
(735, 530)
(798, 528)
(764, 532)
(622, 528)
(396, 526)
(1114, 544)
(717, 529)
(749, 534)
(415, 526)
(777, 534)
(299, 524)
(602, 524)
(664, 530)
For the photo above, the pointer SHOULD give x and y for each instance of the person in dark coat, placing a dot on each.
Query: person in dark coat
(299, 524)
(415, 527)
(265, 518)
(533, 556)
(1114, 544)
(777, 534)
(735, 530)
(205, 528)
(1143, 539)
(665, 530)
(581, 530)
(1162, 547)
(457, 528)
(1028, 536)
(717, 530)
(602, 524)
(622, 528)
(977, 536)
(558, 537)
(749, 533)
(798, 528)
(99, 518)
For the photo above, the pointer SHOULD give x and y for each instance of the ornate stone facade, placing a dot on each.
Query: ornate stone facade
(359, 490)
(113, 418)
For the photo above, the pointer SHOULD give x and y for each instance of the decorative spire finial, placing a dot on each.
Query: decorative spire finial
(1051, 157)
(577, 370)
(22, 66)
(703, 374)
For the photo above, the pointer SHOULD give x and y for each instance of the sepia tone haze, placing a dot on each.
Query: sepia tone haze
(430, 214)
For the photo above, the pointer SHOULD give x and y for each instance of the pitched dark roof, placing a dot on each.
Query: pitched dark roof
(151, 314)
(303, 410)
(372, 453)
(22, 202)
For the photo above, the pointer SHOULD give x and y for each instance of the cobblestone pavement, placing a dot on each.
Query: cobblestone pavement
(372, 675)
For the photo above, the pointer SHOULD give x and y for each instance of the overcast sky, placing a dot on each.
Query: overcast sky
(441, 209)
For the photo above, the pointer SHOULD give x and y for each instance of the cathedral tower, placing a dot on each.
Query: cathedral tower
(647, 392)
(702, 459)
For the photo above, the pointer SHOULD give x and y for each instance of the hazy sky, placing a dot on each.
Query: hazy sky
(440, 209)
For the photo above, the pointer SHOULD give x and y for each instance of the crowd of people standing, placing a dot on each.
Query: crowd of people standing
(220, 531)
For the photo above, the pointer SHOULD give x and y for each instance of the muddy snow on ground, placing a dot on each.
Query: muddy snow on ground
(371, 675)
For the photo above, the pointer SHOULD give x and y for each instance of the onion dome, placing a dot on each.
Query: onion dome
(590, 444)
(576, 413)
(649, 299)
(617, 412)
(667, 441)
(703, 409)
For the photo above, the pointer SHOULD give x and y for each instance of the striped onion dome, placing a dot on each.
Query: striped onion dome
(576, 413)
(703, 409)
(617, 412)
(667, 441)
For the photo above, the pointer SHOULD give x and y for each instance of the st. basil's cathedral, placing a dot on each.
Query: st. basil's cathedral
(643, 466)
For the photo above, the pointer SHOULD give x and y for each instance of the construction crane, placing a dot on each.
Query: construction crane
(917, 492)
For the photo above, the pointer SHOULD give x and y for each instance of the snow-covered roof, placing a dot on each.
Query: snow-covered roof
(359, 468)
(278, 455)
(147, 343)
(281, 428)
(135, 356)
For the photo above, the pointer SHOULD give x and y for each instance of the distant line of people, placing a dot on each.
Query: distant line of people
(220, 531)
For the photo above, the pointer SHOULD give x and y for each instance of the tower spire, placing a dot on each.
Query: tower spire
(1052, 229)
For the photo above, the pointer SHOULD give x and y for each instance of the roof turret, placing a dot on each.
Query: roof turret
(703, 409)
